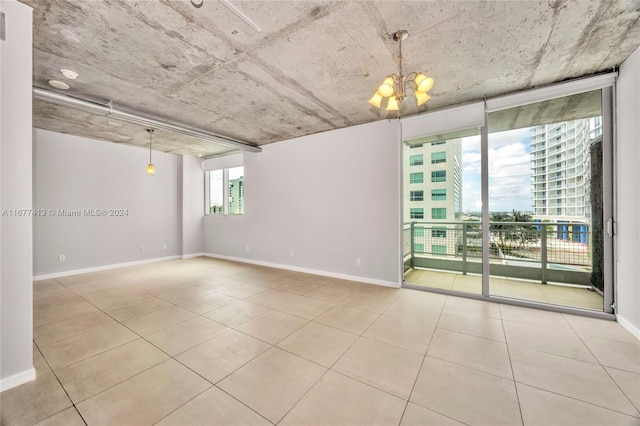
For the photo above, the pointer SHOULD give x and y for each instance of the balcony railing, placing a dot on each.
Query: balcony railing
(541, 251)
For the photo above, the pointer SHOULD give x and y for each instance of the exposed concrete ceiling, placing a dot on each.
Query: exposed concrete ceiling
(313, 65)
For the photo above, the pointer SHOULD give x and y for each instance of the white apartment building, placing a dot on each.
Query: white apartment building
(432, 182)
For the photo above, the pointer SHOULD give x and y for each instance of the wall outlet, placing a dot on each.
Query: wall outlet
(247, 247)
(358, 261)
(62, 258)
(164, 246)
(143, 248)
(291, 253)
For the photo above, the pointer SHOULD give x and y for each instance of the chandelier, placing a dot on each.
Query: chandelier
(395, 87)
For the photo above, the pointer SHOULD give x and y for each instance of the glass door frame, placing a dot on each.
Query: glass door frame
(445, 121)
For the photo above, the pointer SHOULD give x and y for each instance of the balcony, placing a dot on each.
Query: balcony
(526, 254)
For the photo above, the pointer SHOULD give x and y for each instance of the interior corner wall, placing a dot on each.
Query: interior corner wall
(628, 197)
(77, 180)
(192, 206)
(16, 262)
(319, 202)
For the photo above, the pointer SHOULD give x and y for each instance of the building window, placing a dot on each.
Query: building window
(416, 160)
(438, 143)
(418, 248)
(415, 146)
(439, 176)
(416, 213)
(418, 231)
(438, 194)
(438, 213)
(438, 249)
(225, 191)
(438, 157)
(416, 195)
(438, 232)
(416, 177)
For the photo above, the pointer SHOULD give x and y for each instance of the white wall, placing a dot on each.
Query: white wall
(628, 195)
(16, 309)
(330, 198)
(72, 172)
(192, 206)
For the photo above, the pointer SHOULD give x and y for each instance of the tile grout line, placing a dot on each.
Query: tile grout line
(513, 374)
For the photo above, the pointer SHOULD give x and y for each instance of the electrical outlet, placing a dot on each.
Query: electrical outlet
(358, 261)
(164, 246)
(291, 253)
(62, 258)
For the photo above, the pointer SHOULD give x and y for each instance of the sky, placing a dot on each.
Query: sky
(509, 172)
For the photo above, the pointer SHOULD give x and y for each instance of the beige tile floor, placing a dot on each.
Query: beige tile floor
(508, 287)
(211, 342)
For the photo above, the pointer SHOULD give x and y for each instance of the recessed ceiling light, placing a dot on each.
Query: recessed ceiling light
(70, 74)
(59, 84)
(197, 3)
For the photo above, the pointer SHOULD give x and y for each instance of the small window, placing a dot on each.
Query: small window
(416, 195)
(416, 160)
(439, 213)
(438, 194)
(418, 248)
(438, 143)
(438, 157)
(416, 177)
(225, 191)
(415, 146)
(438, 232)
(439, 176)
(416, 213)
(438, 249)
(418, 231)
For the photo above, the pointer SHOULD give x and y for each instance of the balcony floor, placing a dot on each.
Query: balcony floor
(508, 287)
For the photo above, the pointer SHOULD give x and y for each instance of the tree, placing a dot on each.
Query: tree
(511, 232)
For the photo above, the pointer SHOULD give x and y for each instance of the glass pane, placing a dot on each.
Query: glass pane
(442, 226)
(236, 190)
(216, 192)
(544, 178)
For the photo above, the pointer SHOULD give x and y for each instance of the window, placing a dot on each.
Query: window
(416, 177)
(439, 176)
(438, 249)
(416, 213)
(438, 194)
(438, 232)
(438, 143)
(216, 192)
(438, 157)
(415, 146)
(236, 190)
(416, 160)
(225, 190)
(418, 248)
(416, 195)
(418, 231)
(439, 213)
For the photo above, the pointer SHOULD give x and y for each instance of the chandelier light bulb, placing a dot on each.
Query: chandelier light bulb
(376, 99)
(386, 88)
(421, 97)
(425, 83)
(393, 104)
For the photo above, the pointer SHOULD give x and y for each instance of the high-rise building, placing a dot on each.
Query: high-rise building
(433, 193)
(561, 169)
(236, 195)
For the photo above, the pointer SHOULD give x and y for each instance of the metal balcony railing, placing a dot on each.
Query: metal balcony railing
(544, 251)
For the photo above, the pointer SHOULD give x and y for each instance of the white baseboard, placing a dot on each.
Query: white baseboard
(192, 255)
(103, 268)
(17, 379)
(630, 327)
(306, 270)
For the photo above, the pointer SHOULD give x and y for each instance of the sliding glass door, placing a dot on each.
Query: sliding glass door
(540, 175)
